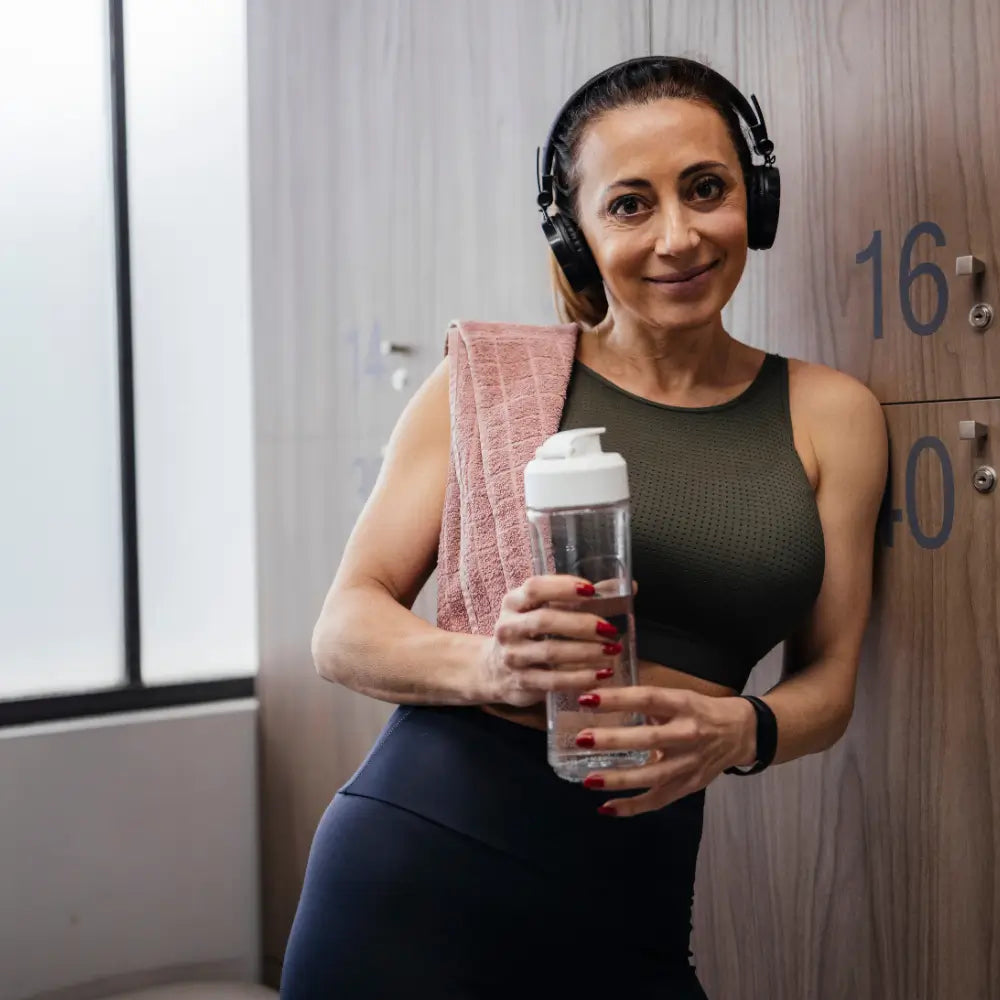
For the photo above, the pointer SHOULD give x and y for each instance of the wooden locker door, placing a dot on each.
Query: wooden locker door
(918, 164)
(873, 871)
(887, 132)
(928, 739)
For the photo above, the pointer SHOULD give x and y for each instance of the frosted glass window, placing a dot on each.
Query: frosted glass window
(60, 517)
(186, 101)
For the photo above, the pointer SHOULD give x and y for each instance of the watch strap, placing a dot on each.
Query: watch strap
(767, 737)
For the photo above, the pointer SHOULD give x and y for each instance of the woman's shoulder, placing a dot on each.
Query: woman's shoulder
(827, 392)
(842, 417)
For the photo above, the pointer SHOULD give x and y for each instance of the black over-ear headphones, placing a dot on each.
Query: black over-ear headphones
(564, 235)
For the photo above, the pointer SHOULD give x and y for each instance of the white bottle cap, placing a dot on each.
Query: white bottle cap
(570, 470)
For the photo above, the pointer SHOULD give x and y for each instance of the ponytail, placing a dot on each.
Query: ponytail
(587, 308)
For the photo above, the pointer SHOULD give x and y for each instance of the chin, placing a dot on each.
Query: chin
(683, 316)
(677, 324)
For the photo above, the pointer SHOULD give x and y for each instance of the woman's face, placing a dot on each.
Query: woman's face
(662, 204)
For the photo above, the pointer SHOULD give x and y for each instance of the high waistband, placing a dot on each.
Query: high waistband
(488, 779)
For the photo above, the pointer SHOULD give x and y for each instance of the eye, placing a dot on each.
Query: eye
(625, 206)
(708, 187)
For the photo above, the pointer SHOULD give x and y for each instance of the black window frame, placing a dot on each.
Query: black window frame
(133, 694)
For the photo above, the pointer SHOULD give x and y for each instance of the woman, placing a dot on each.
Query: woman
(455, 853)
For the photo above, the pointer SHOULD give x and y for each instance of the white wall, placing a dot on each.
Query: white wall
(129, 851)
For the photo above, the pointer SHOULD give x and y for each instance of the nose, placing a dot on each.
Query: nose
(677, 235)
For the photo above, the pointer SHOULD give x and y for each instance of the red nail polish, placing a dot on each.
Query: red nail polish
(607, 630)
(586, 589)
(604, 673)
(585, 740)
(593, 781)
(589, 700)
(607, 810)
(612, 648)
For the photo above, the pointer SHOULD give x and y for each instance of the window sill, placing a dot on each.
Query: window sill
(51, 708)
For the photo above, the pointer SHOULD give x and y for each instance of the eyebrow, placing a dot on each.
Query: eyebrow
(686, 172)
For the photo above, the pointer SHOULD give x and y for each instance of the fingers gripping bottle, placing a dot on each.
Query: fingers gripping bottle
(578, 510)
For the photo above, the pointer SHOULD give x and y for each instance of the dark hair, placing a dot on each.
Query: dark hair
(631, 84)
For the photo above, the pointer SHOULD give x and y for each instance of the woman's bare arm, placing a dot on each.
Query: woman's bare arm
(366, 637)
(815, 699)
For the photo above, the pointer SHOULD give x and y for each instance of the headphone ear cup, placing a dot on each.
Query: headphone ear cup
(763, 206)
(571, 251)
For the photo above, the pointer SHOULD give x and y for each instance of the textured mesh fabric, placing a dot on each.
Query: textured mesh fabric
(727, 544)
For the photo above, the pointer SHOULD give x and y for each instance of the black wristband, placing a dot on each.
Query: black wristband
(767, 737)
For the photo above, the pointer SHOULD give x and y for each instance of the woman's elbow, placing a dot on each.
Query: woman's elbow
(324, 650)
(841, 721)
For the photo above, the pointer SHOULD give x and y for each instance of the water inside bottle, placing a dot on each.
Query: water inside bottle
(566, 717)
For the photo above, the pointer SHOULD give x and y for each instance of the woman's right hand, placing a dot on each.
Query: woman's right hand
(538, 646)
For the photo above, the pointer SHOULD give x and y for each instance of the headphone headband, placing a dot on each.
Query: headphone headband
(752, 116)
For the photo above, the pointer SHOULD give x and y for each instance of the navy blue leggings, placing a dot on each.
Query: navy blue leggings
(414, 888)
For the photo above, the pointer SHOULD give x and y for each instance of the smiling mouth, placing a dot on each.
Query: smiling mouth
(684, 275)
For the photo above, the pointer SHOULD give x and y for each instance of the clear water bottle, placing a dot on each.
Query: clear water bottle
(579, 515)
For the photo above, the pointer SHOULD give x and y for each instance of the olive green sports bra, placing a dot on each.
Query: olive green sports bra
(727, 545)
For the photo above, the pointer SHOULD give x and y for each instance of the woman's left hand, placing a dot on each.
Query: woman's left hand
(693, 738)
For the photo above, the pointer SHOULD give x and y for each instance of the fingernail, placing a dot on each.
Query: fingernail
(612, 648)
(585, 740)
(593, 781)
(604, 673)
(607, 810)
(607, 630)
(589, 700)
(586, 589)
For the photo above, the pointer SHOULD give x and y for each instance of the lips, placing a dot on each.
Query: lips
(693, 272)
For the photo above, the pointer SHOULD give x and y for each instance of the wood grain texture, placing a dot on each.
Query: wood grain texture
(884, 115)
(871, 871)
(392, 190)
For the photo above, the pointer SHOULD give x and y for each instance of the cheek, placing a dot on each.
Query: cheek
(734, 245)
(729, 234)
(621, 253)
(728, 227)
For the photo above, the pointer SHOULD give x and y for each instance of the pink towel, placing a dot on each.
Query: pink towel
(507, 389)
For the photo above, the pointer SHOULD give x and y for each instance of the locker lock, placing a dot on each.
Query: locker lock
(984, 479)
(981, 316)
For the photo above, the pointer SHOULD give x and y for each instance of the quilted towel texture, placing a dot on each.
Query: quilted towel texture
(507, 388)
